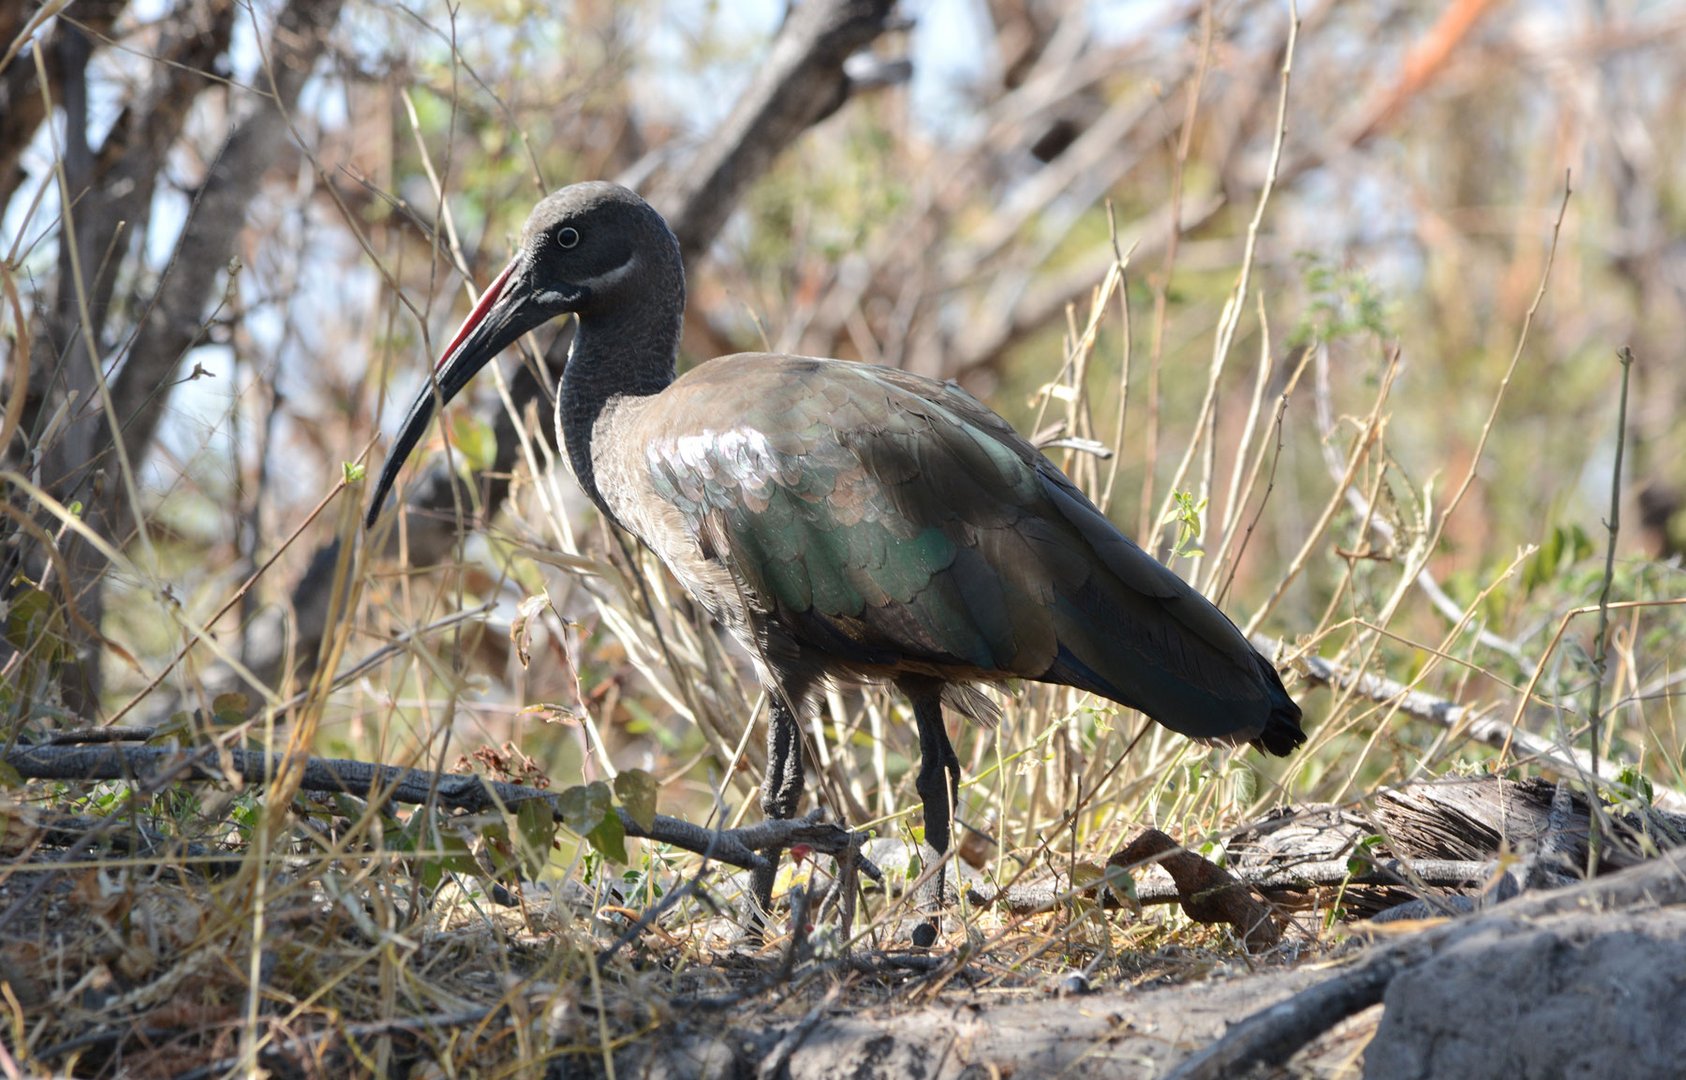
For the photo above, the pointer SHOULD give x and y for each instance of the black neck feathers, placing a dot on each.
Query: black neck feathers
(624, 350)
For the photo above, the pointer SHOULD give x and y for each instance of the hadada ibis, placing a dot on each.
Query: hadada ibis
(847, 521)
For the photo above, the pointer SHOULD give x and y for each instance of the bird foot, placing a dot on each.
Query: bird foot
(804, 839)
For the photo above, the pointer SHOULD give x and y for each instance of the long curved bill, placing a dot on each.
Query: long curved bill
(505, 311)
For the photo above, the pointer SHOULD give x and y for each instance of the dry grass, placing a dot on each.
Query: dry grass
(165, 929)
(309, 929)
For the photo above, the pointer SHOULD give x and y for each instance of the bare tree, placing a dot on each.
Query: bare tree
(111, 382)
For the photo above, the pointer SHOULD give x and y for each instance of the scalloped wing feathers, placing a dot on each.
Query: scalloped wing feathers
(894, 524)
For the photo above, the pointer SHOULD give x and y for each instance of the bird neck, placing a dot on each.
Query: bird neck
(614, 356)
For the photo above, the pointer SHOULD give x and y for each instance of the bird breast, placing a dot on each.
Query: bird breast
(623, 477)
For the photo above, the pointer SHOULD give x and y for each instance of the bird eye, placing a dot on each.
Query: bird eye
(567, 237)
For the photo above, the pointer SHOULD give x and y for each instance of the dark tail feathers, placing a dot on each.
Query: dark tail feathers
(1282, 733)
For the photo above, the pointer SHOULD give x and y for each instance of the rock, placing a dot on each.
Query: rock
(1575, 996)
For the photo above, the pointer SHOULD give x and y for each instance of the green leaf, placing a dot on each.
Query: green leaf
(9, 777)
(352, 471)
(31, 616)
(1122, 884)
(474, 440)
(1187, 516)
(536, 826)
(1363, 859)
(1630, 782)
(178, 726)
(1343, 303)
(230, 708)
(500, 851)
(437, 850)
(636, 789)
(450, 853)
(1246, 784)
(610, 838)
(584, 806)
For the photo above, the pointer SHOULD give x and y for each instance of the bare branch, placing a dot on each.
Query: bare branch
(21, 100)
(801, 83)
(174, 320)
(156, 766)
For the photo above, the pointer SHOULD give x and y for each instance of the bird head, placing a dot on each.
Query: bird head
(583, 249)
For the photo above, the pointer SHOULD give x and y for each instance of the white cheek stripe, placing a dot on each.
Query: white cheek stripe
(611, 277)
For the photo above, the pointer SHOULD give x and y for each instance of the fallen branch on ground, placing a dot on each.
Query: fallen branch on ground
(156, 766)
(1041, 896)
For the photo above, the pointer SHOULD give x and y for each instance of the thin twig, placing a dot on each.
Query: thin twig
(779, 976)
(1447, 713)
(649, 917)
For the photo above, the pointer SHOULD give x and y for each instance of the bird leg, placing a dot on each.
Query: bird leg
(781, 794)
(938, 785)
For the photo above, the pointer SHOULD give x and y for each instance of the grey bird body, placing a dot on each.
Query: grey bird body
(847, 521)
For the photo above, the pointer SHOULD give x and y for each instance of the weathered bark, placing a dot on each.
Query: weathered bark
(1125, 1035)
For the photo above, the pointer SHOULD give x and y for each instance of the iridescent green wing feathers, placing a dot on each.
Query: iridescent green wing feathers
(890, 521)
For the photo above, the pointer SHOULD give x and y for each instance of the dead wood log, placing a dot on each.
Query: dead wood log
(1284, 884)
(1136, 1033)
(1280, 885)
(1457, 820)
(1441, 844)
